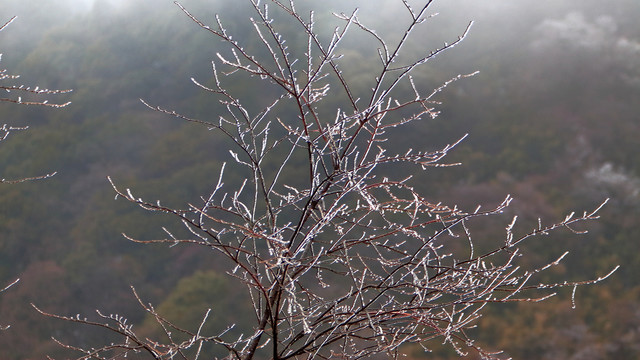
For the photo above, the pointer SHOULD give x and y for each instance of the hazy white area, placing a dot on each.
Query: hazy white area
(88, 4)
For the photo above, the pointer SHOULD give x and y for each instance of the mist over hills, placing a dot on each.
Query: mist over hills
(552, 118)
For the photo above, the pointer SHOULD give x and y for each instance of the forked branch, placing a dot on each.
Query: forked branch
(350, 261)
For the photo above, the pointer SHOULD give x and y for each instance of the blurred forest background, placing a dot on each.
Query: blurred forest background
(553, 118)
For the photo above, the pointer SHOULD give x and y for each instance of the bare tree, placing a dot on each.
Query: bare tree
(23, 89)
(7, 83)
(6, 129)
(350, 261)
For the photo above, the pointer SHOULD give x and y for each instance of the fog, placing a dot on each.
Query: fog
(551, 117)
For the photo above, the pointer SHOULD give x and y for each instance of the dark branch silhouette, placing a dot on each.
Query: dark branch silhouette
(351, 261)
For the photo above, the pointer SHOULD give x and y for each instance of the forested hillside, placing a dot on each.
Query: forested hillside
(552, 118)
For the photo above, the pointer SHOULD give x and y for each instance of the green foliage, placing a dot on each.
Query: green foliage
(205, 300)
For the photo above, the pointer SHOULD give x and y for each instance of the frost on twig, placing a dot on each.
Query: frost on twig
(14, 93)
(348, 260)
